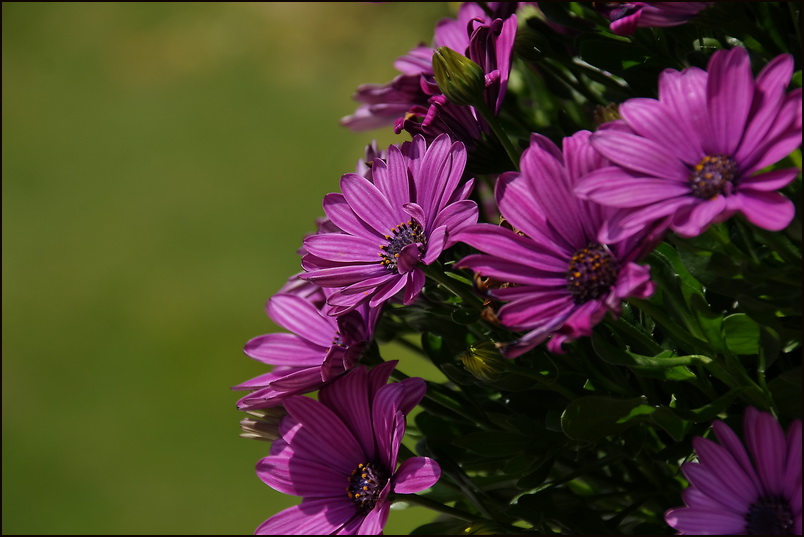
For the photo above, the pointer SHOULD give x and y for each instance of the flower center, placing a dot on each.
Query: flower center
(365, 485)
(769, 515)
(404, 234)
(592, 271)
(714, 175)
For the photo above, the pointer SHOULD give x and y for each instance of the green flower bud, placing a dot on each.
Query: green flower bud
(266, 425)
(483, 361)
(461, 79)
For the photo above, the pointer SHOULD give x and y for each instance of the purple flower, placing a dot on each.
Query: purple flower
(413, 102)
(382, 104)
(340, 454)
(731, 493)
(698, 152)
(626, 17)
(405, 216)
(565, 279)
(318, 348)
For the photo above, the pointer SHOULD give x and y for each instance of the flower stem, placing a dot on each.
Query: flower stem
(437, 274)
(499, 132)
(435, 506)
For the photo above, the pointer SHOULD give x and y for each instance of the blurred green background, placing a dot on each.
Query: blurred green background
(161, 164)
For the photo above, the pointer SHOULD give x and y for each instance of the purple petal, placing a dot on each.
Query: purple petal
(633, 281)
(435, 245)
(732, 443)
(349, 399)
(783, 138)
(300, 477)
(341, 214)
(501, 269)
(416, 474)
(768, 97)
(702, 214)
(346, 275)
(321, 434)
(387, 291)
(719, 488)
(695, 498)
(506, 244)
(639, 154)
(773, 180)
(616, 187)
(369, 204)
(685, 93)
(729, 92)
(765, 440)
(302, 380)
(456, 216)
(768, 210)
(792, 482)
(393, 180)
(654, 119)
(301, 317)
(580, 157)
(343, 248)
(285, 349)
(519, 205)
(717, 460)
(414, 285)
(692, 521)
(542, 309)
(375, 520)
(312, 517)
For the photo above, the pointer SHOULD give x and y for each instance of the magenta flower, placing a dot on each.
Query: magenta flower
(731, 493)
(698, 152)
(626, 17)
(382, 104)
(318, 348)
(340, 455)
(565, 279)
(405, 216)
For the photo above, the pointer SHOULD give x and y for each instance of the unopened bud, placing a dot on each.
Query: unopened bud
(483, 361)
(458, 77)
(266, 425)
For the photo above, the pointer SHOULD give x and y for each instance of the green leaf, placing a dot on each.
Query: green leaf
(492, 444)
(594, 417)
(741, 334)
(449, 527)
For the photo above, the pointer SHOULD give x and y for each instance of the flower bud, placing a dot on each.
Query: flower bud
(266, 425)
(483, 361)
(458, 77)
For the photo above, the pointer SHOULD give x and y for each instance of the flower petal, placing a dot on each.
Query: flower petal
(729, 92)
(692, 521)
(301, 317)
(416, 474)
(768, 210)
(285, 349)
(312, 517)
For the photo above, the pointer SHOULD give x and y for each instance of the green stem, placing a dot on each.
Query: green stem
(436, 402)
(436, 273)
(696, 345)
(499, 132)
(435, 506)
(554, 386)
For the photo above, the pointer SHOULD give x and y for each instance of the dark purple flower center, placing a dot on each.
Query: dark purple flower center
(402, 235)
(592, 271)
(769, 515)
(714, 175)
(365, 485)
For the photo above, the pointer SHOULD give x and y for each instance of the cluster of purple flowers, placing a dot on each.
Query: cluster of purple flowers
(577, 222)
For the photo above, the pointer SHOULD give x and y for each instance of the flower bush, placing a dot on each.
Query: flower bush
(591, 227)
